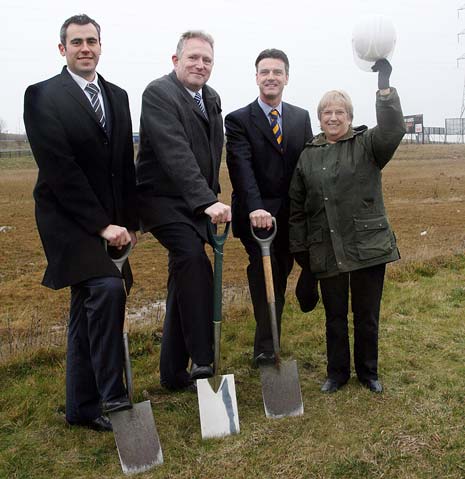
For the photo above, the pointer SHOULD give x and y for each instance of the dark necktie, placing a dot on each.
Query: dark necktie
(274, 114)
(198, 100)
(94, 91)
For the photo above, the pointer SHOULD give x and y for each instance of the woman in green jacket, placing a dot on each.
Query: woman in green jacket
(339, 228)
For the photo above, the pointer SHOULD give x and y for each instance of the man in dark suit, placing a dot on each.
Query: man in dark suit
(177, 169)
(79, 128)
(264, 141)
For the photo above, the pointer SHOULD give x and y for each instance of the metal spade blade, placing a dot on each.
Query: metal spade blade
(281, 390)
(136, 438)
(219, 415)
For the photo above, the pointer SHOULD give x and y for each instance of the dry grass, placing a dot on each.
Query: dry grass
(424, 193)
(414, 430)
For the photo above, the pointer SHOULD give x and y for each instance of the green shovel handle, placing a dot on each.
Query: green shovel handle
(217, 242)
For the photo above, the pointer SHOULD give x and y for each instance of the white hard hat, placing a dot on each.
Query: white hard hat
(372, 39)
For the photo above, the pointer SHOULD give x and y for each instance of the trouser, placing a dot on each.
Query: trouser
(366, 287)
(95, 357)
(281, 265)
(188, 326)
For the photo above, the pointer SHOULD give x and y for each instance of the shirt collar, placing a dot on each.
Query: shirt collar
(267, 108)
(193, 93)
(82, 82)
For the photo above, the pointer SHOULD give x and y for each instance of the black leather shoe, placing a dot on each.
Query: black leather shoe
(264, 359)
(200, 372)
(190, 387)
(101, 424)
(119, 404)
(306, 291)
(331, 386)
(373, 385)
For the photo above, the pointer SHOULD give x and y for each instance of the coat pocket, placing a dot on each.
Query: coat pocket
(317, 251)
(373, 236)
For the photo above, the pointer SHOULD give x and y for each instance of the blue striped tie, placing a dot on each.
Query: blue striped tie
(94, 91)
(198, 100)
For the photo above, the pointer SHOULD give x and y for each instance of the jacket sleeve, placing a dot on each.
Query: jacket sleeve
(58, 168)
(297, 218)
(383, 140)
(162, 125)
(240, 164)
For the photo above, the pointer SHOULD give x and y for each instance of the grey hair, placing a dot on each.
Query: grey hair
(336, 96)
(206, 37)
(81, 19)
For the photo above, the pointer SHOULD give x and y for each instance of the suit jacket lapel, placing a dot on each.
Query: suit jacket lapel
(262, 123)
(109, 102)
(287, 124)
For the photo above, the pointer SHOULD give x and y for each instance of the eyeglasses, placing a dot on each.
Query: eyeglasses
(330, 113)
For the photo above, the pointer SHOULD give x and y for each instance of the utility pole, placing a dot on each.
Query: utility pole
(461, 57)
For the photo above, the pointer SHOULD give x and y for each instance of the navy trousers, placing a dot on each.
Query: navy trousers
(366, 287)
(95, 358)
(188, 326)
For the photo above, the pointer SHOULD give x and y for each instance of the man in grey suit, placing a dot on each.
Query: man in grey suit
(265, 139)
(177, 169)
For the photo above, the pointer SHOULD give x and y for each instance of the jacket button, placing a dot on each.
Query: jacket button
(326, 199)
(324, 168)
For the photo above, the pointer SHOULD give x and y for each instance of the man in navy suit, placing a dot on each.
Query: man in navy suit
(79, 128)
(264, 141)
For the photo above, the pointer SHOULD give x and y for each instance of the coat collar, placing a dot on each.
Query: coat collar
(76, 92)
(207, 97)
(320, 140)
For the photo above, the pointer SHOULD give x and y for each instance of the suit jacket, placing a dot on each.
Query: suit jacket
(179, 157)
(86, 177)
(259, 169)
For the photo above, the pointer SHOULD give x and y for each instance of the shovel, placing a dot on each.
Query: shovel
(135, 433)
(280, 382)
(219, 416)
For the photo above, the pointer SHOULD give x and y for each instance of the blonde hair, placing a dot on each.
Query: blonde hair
(336, 96)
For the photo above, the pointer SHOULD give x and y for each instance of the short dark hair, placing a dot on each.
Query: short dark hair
(273, 53)
(81, 19)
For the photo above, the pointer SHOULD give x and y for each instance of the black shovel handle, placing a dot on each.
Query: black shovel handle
(119, 262)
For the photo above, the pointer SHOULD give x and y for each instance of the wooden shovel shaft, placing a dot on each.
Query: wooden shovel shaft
(268, 273)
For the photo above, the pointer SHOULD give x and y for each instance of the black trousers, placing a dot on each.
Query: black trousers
(366, 287)
(188, 326)
(95, 358)
(281, 265)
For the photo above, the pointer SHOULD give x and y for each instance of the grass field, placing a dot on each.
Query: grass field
(416, 429)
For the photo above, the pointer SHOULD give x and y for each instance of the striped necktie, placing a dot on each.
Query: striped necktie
(94, 91)
(274, 114)
(198, 100)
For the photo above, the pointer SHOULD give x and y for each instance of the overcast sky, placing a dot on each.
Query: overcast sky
(139, 37)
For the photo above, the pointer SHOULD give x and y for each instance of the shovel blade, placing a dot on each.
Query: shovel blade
(136, 438)
(219, 416)
(281, 390)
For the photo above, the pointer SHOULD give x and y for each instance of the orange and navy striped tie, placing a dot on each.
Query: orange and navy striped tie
(274, 114)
